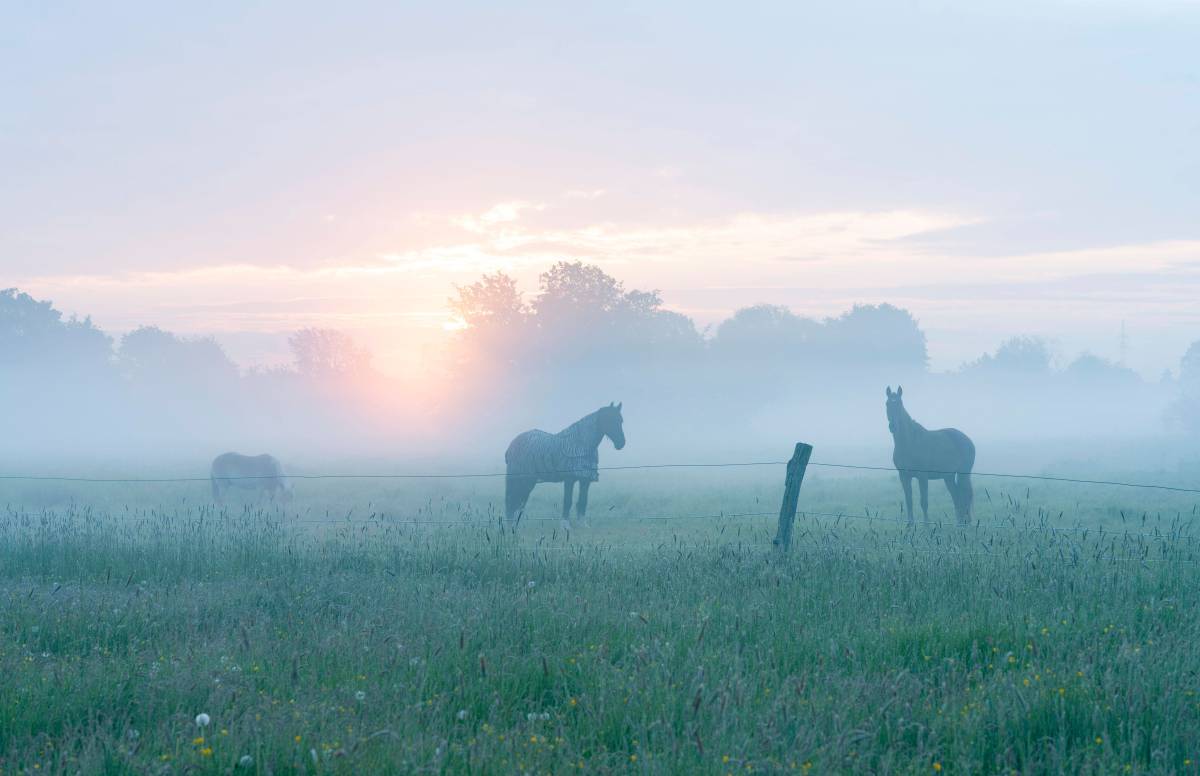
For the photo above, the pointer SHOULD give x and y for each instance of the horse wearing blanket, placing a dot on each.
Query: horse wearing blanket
(572, 455)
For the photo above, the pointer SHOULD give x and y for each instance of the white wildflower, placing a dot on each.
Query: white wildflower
(202, 720)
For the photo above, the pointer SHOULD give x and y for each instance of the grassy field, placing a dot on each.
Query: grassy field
(389, 627)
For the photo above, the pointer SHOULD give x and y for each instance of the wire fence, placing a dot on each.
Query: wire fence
(1176, 534)
(930, 473)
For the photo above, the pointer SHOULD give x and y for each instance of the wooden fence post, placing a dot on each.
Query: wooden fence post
(791, 494)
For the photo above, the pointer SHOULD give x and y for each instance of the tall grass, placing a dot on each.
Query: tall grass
(396, 630)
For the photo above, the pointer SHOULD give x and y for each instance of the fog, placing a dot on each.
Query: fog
(75, 400)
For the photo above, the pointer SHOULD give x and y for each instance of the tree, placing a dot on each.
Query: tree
(1098, 371)
(1186, 408)
(875, 338)
(1016, 356)
(149, 354)
(492, 302)
(577, 292)
(327, 353)
(1189, 371)
(34, 334)
(762, 330)
(582, 305)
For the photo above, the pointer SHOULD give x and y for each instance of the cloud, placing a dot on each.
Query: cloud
(585, 193)
(500, 213)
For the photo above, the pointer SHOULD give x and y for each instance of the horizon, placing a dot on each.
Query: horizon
(281, 355)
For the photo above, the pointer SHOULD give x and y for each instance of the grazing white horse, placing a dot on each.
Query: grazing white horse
(262, 473)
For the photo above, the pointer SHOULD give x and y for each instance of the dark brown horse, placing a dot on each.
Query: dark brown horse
(945, 454)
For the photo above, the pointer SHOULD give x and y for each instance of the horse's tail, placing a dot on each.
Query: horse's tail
(965, 495)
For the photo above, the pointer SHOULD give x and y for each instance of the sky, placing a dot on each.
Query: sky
(248, 169)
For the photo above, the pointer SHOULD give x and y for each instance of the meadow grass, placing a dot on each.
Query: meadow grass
(391, 628)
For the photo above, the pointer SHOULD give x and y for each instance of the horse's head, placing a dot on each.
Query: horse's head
(286, 491)
(895, 407)
(611, 424)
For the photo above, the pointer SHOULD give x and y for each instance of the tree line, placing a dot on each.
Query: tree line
(582, 338)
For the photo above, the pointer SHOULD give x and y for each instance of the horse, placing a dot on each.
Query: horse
(572, 455)
(261, 473)
(945, 454)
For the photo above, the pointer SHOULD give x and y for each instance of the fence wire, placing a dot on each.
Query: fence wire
(484, 475)
(949, 551)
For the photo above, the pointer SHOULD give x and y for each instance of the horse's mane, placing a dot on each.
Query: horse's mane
(585, 424)
(909, 419)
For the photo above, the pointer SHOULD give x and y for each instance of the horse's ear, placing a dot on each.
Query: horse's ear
(889, 391)
(899, 391)
(619, 405)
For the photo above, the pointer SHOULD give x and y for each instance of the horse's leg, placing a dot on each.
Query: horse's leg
(581, 507)
(924, 483)
(962, 484)
(216, 491)
(906, 483)
(568, 492)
